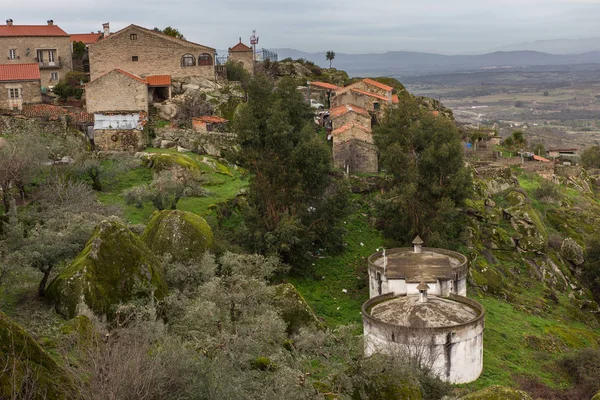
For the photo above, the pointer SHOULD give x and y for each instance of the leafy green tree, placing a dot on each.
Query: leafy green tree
(590, 158)
(330, 56)
(424, 156)
(70, 85)
(290, 184)
(538, 149)
(174, 32)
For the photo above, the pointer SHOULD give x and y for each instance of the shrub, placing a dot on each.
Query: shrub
(547, 191)
(584, 367)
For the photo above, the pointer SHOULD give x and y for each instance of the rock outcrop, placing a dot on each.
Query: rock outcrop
(114, 267)
(572, 251)
(497, 393)
(295, 311)
(33, 373)
(182, 235)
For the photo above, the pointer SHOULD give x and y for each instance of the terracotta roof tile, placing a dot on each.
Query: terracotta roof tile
(158, 80)
(325, 85)
(240, 47)
(54, 113)
(542, 159)
(346, 108)
(31, 30)
(19, 72)
(395, 99)
(380, 85)
(210, 119)
(349, 126)
(86, 38)
(561, 150)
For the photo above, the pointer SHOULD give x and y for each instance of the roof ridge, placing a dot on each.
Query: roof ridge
(160, 34)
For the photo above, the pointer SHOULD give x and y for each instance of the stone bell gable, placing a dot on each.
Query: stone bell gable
(144, 52)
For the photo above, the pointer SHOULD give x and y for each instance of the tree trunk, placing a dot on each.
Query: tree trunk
(5, 195)
(42, 286)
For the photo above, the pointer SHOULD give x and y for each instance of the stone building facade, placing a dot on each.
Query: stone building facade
(117, 90)
(19, 85)
(372, 102)
(144, 52)
(356, 156)
(347, 114)
(243, 54)
(46, 45)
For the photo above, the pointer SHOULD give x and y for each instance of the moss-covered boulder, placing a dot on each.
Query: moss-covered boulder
(295, 311)
(114, 267)
(531, 233)
(181, 166)
(497, 393)
(572, 251)
(31, 372)
(182, 235)
(596, 397)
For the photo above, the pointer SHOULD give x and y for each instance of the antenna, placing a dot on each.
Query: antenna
(254, 42)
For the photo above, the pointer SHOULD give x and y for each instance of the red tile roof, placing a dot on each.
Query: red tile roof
(349, 126)
(54, 113)
(325, 85)
(86, 38)
(542, 159)
(380, 85)
(31, 30)
(19, 72)
(159, 80)
(240, 47)
(346, 108)
(395, 99)
(561, 150)
(210, 119)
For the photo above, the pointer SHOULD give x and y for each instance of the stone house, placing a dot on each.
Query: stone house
(242, 54)
(209, 123)
(353, 149)
(46, 45)
(145, 52)
(117, 90)
(372, 102)
(85, 38)
(322, 92)
(19, 85)
(372, 86)
(349, 113)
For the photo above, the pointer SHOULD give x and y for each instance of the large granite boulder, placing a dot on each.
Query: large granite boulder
(497, 393)
(114, 267)
(531, 232)
(572, 251)
(596, 397)
(31, 372)
(182, 235)
(295, 311)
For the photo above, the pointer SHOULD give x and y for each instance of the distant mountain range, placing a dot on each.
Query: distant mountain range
(407, 63)
(557, 46)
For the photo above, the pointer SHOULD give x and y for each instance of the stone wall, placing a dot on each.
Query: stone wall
(15, 125)
(157, 54)
(116, 92)
(361, 100)
(119, 140)
(567, 170)
(360, 85)
(61, 45)
(355, 156)
(455, 352)
(349, 117)
(30, 93)
(211, 143)
(353, 133)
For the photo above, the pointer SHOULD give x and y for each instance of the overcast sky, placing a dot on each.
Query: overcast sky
(350, 26)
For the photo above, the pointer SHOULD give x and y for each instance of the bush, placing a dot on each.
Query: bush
(590, 158)
(584, 367)
(547, 191)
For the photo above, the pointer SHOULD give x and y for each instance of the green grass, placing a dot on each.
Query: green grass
(348, 270)
(222, 182)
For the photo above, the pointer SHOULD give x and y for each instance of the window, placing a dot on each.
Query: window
(205, 59)
(53, 76)
(188, 60)
(376, 106)
(133, 36)
(134, 58)
(12, 54)
(14, 94)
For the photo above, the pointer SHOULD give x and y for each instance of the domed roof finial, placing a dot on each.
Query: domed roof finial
(418, 242)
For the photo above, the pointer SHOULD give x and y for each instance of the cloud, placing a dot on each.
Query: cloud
(344, 25)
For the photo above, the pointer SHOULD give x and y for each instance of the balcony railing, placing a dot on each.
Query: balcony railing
(49, 64)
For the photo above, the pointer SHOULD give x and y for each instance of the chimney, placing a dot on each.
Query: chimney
(50, 22)
(106, 28)
(9, 22)
(423, 288)
(418, 242)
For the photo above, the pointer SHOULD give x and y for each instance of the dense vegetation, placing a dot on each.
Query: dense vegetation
(212, 246)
